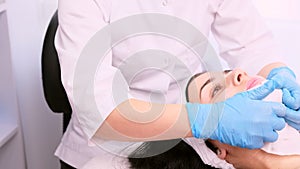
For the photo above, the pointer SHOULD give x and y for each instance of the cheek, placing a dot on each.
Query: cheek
(231, 91)
(227, 93)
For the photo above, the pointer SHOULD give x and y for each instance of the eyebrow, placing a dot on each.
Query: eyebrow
(206, 83)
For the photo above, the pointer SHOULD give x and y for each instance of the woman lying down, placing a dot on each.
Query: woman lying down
(218, 86)
(192, 153)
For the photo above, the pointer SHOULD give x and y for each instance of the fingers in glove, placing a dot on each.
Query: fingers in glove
(293, 116)
(293, 124)
(271, 137)
(262, 91)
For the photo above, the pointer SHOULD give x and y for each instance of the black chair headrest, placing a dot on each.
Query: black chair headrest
(54, 91)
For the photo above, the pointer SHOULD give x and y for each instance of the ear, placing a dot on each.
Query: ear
(221, 153)
(220, 148)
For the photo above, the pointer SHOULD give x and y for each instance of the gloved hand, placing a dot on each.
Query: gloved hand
(242, 120)
(285, 79)
(292, 118)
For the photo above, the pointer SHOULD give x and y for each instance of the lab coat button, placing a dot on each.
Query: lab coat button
(166, 62)
(164, 2)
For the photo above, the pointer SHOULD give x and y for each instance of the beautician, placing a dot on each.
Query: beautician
(153, 110)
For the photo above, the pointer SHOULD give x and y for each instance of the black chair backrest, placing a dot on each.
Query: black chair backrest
(54, 91)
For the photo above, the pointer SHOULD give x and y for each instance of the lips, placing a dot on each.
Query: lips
(255, 81)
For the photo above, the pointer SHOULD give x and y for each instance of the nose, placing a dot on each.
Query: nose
(238, 77)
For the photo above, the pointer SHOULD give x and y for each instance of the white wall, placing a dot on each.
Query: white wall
(41, 127)
(283, 18)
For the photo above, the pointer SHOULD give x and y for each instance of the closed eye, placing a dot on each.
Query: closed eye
(216, 90)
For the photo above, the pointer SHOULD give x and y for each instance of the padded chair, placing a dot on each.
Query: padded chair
(54, 91)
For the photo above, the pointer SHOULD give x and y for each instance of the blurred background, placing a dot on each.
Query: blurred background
(283, 18)
(29, 131)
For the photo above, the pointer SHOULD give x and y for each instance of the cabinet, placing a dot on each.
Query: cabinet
(8, 125)
(11, 142)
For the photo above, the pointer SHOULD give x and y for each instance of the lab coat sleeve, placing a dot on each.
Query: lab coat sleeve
(79, 20)
(243, 37)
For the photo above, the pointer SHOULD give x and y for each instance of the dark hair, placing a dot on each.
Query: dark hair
(181, 156)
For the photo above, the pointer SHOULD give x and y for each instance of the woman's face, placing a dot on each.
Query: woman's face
(217, 86)
(213, 87)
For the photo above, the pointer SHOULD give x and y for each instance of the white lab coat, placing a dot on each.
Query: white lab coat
(243, 38)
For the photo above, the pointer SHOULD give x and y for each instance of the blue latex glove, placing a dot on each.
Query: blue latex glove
(285, 79)
(242, 120)
(292, 117)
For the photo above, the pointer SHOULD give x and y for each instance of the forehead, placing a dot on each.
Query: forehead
(197, 83)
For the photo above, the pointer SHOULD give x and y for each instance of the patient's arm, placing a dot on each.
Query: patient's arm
(286, 162)
(257, 158)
